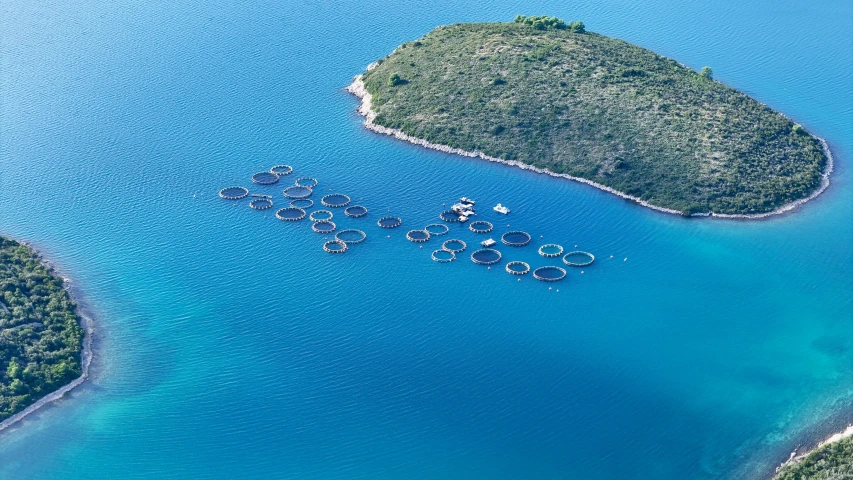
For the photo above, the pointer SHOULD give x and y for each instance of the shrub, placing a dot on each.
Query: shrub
(707, 73)
(395, 79)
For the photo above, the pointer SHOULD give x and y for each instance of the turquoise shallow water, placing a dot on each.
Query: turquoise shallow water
(230, 345)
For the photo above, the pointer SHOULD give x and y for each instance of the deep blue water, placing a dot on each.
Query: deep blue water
(230, 345)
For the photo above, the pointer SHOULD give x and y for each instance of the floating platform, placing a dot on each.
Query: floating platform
(335, 200)
(443, 256)
(417, 236)
(517, 268)
(549, 274)
(309, 182)
(454, 245)
(261, 195)
(261, 203)
(486, 256)
(281, 170)
(297, 192)
(302, 203)
(234, 193)
(481, 226)
(351, 236)
(578, 259)
(390, 222)
(324, 226)
(321, 216)
(550, 250)
(335, 246)
(449, 216)
(515, 238)
(265, 178)
(290, 214)
(355, 211)
(437, 229)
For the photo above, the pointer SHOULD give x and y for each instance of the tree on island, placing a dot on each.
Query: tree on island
(707, 73)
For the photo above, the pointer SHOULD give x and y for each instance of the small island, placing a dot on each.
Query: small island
(550, 96)
(41, 338)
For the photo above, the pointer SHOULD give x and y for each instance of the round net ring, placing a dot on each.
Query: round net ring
(443, 256)
(335, 246)
(454, 245)
(234, 193)
(290, 214)
(515, 238)
(417, 236)
(355, 211)
(437, 229)
(308, 182)
(281, 170)
(486, 256)
(261, 203)
(517, 268)
(265, 178)
(321, 216)
(549, 274)
(302, 203)
(390, 222)
(324, 226)
(360, 236)
(550, 250)
(335, 200)
(480, 226)
(586, 259)
(297, 192)
(449, 216)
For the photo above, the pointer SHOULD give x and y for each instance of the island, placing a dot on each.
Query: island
(833, 460)
(548, 95)
(41, 337)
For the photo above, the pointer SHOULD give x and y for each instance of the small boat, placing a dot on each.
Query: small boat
(501, 209)
(490, 242)
(463, 218)
(467, 200)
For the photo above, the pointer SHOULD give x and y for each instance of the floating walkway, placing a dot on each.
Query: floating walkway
(578, 259)
(321, 216)
(550, 250)
(355, 211)
(549, 274)
(390, 222)
(234, 193)
(517, 268)
(306, 182)
(417, 236)
(290, 214)
(302, 203)
(335, 200)
(449, 216)
(261, 203)
(324, 226)
(281, 170)
(297, 192)
(351, 236)
(486, 256)
(443, 256)
(265, 178)
(437, 229)
(481, 226)
(515, 238)
(454, 245)
(335, 246)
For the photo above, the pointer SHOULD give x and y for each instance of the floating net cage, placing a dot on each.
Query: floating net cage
(390, 222)
(486, 256)
(578, 259)
(417, 236)
(335, 246)
(262, 203)
(290, 214)
(550, 250)
(306, 182)
(437, 229)
(355, 211)
(351, 236)
(454, 245)
(298, 192)
(516, 238)
(321, 216)
(549, 274)
(281, 170)
(443, 256)
(480, 226)
(302, 203)
(323, 226)
(517, 268)
(234, 193)
(449, 216)
(335, 200)
(265, 178)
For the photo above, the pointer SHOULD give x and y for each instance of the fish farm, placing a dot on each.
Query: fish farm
(302, 203)
(320, 215)
(298, 192)
(281, 170)
(265, 178)
(306, 182)
(351, 236)
(355, 211)
(517, 268)
(481, 226)
(324, 226)
(549, 274)
(290, 214)
(486, 256)
(516, 238)
(335, 246)
(443, 256)
(390, 222)
(234, 193)
(262, 203)
(417, 236)
(550, 250)
(454, 246)
(578, 259)
(335, 200)
(437, 229)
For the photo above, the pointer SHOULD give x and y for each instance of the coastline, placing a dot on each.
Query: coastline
(86, 356)
(795, 457)
(358, 89)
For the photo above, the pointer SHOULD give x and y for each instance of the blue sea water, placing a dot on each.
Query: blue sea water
(229, 345)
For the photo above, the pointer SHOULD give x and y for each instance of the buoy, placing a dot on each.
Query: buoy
(549, 288)
(576, 246)
(490, 268)
(519, 279)
(611, 256)
(422, 246)
(626, 259)
(581, 272)
(389, 236)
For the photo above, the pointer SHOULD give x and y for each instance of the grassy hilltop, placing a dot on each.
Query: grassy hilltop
(553, 95)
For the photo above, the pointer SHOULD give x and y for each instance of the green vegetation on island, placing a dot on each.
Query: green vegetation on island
(40, 334)
(830, 462)
(550, 94)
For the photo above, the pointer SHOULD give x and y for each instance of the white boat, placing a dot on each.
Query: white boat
(467, 200)
(501, 209)
(488, 243)
(463, 218)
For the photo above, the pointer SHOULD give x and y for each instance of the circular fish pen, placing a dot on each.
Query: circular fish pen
(390, 222)
(351, 236)
(437, 229)
(323, 226)
(261, 203)
(265, 178)
(517, 268)
(302, 203)
(549, 274)
(281, 170)
(355, 211)
(550, 250)
(480, 226)
(335, 200)
(306, 182)
(486, 256)
(443, 256)
(335, 246)
(454, 245)
(290, 214)
(515, 238)
(234, 193)
(321, 216)
(578, 259)
(449, 216)
(297, 192)
(417, 236)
